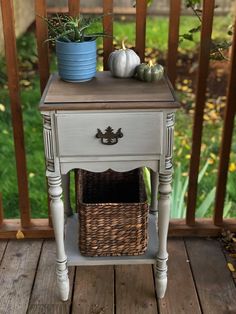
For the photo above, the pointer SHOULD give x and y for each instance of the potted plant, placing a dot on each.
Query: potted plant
(76, 49)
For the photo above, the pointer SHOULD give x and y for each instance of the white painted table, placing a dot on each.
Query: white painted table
(75, 120)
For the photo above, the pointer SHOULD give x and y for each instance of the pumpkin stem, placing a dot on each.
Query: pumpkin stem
(150, 63)
(123, 44)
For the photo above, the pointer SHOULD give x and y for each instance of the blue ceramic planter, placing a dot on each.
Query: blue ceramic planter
(76, 61)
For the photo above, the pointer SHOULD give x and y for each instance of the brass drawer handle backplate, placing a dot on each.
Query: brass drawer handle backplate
(109, 137)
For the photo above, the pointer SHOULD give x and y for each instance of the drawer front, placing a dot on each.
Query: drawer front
(141, 133)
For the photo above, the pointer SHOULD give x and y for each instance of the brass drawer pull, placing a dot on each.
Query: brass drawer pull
(109, 137)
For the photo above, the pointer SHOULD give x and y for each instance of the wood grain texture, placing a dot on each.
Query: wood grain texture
(202, 228)
(1, 209)
(42, 46)
(44, 298)
(205, 45)
(94, 290)
(230, 259)
(16, 110)
(181, 296)
(105, 89)
(74, 7)
(17, 273)
(3, 245)
(141, 11)
(229, 116)
(39, 228)
(108, 29)
(213, 280)
(135, 291)
(82, 127)
(173, 39)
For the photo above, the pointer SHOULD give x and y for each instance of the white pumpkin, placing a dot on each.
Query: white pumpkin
(123, 62)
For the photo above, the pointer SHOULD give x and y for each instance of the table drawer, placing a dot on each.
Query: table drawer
(140, 133)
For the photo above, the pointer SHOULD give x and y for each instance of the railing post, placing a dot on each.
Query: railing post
(205, 45)
(108, 28)
(74, 7)
(141, 11)
(42, 35)
(229, 116)
(1, 209)
(173, 39)
(17, 121)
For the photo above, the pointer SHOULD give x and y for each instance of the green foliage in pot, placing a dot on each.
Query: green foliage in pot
(74, 29)
(149, 72)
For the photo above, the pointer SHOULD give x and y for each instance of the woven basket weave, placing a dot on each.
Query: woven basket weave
(113, 213)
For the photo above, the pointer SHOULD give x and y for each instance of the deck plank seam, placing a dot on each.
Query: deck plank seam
(194, 281)
(153, 278)
(35, 275)
(4, 251)
(72, 294)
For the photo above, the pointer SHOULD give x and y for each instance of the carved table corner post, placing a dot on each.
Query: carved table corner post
(165, 179)
(56, 207)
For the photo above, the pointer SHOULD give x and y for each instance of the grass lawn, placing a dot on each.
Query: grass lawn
(157, 30)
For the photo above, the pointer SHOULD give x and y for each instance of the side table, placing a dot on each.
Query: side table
(109, 123)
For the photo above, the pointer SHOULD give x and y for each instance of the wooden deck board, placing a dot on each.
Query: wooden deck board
(94, 290)
(214, 282)
(181, 296)
(17, 272)
(230, 259)
(135, 292)
(202, 284)
(3, 245)
(44, 298)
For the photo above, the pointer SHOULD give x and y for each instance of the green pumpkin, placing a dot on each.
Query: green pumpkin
(149, 72)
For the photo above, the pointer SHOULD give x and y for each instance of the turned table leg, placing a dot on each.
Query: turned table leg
(163, 224)
(57, 212)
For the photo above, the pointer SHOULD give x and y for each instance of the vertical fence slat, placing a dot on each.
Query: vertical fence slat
(74, 7)
(1, 209)
(108, 29)
(42, 35)
(141, 10)
(230, 111)
(173, 39)
(205, 44)
(17, 121)
(43, 55)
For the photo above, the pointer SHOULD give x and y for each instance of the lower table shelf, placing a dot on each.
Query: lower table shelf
(76, 259)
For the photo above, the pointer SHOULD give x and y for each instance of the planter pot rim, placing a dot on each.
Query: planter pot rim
(87, 42)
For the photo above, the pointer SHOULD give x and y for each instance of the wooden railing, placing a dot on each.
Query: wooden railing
(34, 228)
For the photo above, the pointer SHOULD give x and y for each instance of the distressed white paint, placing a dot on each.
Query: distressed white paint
(70, 142)
(163, 223)
(57, 212)
(99, 166)
(142, 133)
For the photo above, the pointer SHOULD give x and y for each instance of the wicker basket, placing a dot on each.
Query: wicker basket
(113, 213)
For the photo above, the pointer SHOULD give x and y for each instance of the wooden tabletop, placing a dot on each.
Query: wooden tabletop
(107, 92)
